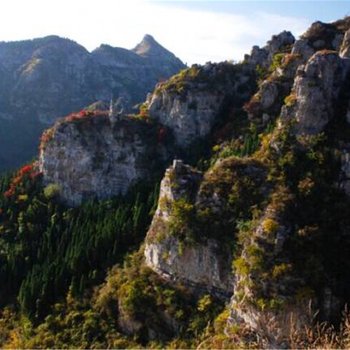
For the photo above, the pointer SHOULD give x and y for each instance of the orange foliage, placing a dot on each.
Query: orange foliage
(28, 171)
(84, 114)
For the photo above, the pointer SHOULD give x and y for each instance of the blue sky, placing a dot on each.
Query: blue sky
(312, 10)
(196, 31)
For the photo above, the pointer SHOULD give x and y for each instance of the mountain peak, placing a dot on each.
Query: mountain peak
(150, 47)
(149, 39)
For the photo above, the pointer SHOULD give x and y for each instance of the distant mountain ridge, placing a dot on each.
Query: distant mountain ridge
(45, 78)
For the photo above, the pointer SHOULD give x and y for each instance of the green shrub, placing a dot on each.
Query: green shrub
(51, 191)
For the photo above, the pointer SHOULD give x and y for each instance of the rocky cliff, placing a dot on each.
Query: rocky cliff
(265, 220)
(191, 103)
(190, 238)
(89, 155)
(171, 251)
(180, 118)
(287, 243)
(275, 270)
(46, 78)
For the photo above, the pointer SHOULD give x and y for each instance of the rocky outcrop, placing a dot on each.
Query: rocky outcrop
(91, 156)
(283, 62)
(321, 36)
(345, 47)
(201, 267)
(266, 104)
(315, 91)
(88, 156)
(192, 233)
(168, 252)
(263, 299)
(263, 56)
(46, 78)
(191, 103)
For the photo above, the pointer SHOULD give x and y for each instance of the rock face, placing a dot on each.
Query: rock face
(321, 36)
(318, 103)
(266, 104)
(268, 221)
(46, 78)
(200, 265)
(281, 58)
(91, 157)
(315, 90)
(191, 102)
(263, 56)
(345, 48)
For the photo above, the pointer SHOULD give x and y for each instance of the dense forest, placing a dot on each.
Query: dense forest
(54, 260)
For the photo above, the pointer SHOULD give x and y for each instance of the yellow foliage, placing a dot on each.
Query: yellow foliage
(280, 270)
(14, 342)
(270, 226)
(23, 197)
(290, 100)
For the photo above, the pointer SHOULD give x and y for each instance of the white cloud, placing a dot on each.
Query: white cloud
(195, 36)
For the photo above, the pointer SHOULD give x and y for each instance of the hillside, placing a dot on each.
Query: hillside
(215, 217)
(46, 78)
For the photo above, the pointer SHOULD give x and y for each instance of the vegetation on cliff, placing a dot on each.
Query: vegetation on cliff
(270, 202)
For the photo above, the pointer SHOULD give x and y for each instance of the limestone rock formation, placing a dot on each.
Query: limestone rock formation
(284, 63)
(77, 156)
(46, 78)
(91, 157)
(316, 88)
(321, 36)
(263, 56)
(201, 265)
(345, 47)
(191, 102)
(263, 211)
(266, 104)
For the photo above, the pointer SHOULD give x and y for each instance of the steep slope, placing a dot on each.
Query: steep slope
(293, 236)
(157, 55)
(192, 102)
(95, 157)
(46, 78)
(260, 222)
(89, 155)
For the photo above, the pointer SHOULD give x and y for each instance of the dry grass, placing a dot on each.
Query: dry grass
(292, 330)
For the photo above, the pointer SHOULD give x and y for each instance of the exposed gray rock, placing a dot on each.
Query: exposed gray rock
(258, 56)
(201, 265)
(94, 158)
(269, 93)
(190, 103)
(263, 56)
(302, 47)
(316, 88)
(267, 239)
(279, 42)
(345, 47)
(190, 118)
(266, 104)
(337, 41)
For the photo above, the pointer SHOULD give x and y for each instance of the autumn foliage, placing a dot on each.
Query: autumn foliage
(28, 172)
(71, 118)
(84, 114)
